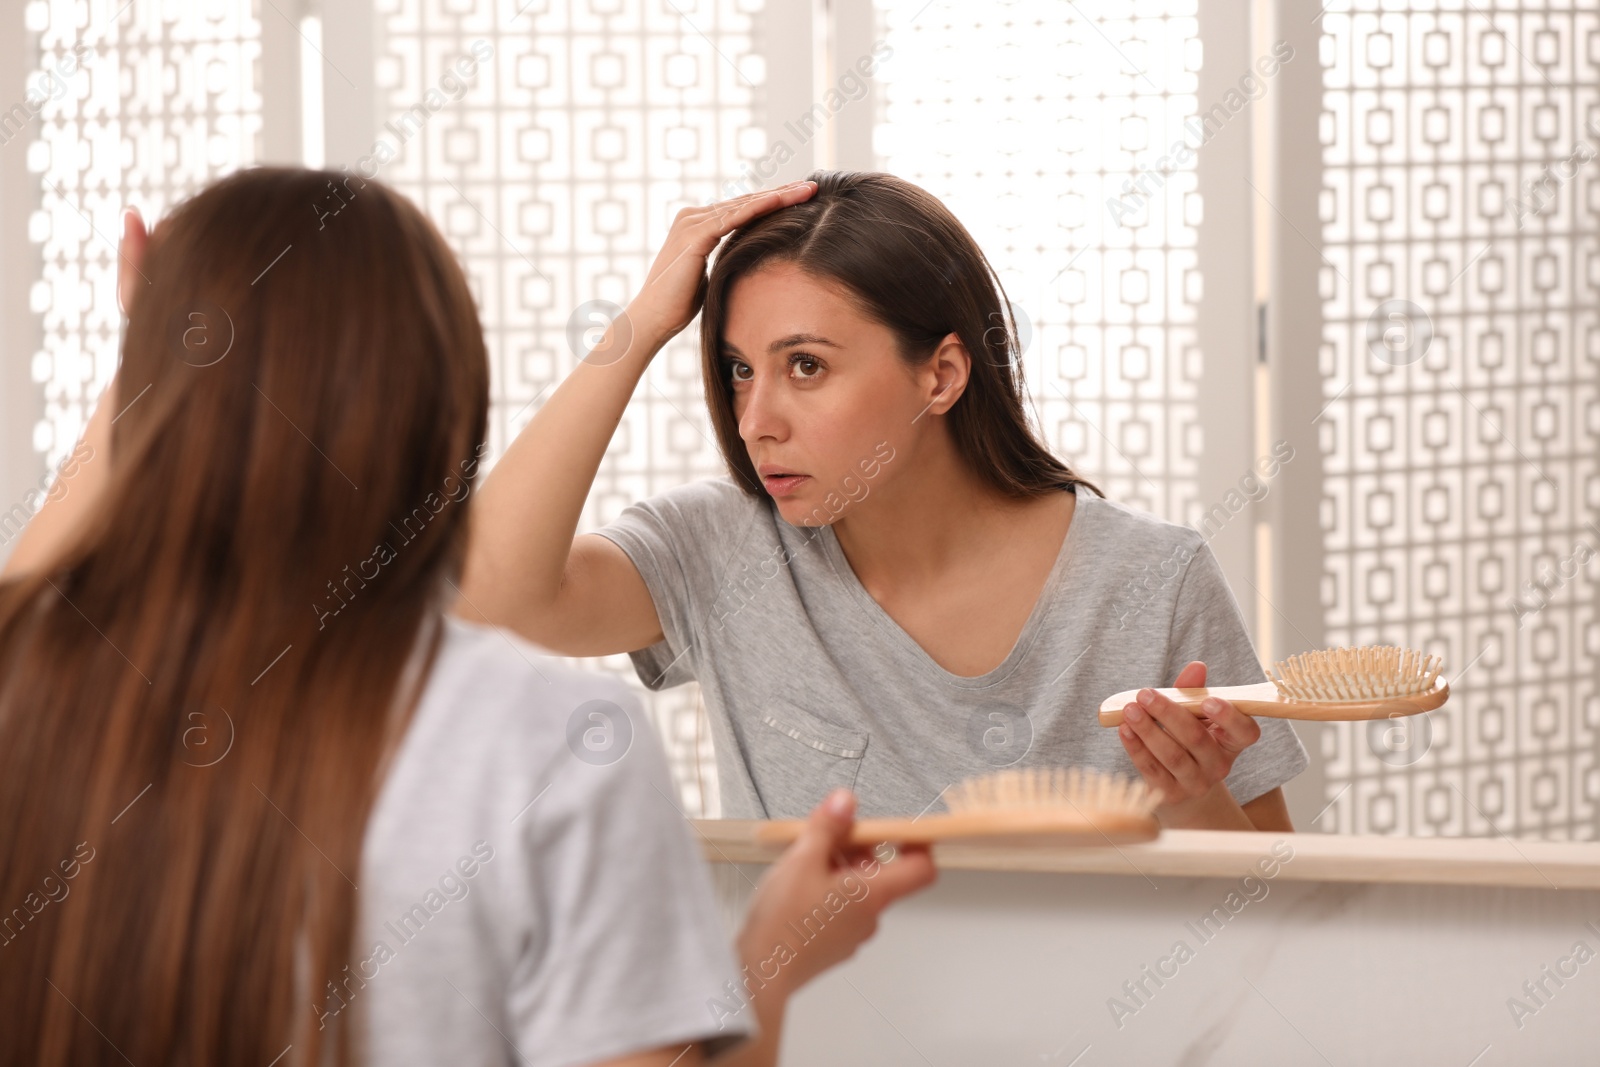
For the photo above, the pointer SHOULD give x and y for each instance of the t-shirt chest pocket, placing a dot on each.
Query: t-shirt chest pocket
(796, 758)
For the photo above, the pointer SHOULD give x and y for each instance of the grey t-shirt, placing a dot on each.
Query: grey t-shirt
(529, 891)
(809, 684)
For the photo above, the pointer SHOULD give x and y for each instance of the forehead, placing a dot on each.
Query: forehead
(779, 299)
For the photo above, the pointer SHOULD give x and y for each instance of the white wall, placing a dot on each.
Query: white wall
(1009, 968)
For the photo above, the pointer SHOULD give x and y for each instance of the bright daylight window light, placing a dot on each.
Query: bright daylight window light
(311, 91)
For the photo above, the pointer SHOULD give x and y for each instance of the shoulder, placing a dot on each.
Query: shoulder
(715, 500)
(498, 662)
(1137, 534)
(493, 697)
(709, 520)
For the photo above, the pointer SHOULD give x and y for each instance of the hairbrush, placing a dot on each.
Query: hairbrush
(1030, 805)
(1330, 685)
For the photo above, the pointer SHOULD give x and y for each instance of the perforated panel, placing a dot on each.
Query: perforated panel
(165, 100)
(1033, 121)
(1462, 432)
(555, 173)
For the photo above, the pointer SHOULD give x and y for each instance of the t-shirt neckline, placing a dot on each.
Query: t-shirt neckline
(1065, 557)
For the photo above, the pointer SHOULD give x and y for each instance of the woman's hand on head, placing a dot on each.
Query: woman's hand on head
(1186, 756)
(675, 286)
(130, 257)
(822, 874)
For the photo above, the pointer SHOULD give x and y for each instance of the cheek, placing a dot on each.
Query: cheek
(837, 434)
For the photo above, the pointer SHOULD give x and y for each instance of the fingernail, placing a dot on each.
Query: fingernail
(1211, 706)
(839, 802)
(1133, 713)
(1125, 730)
(1147, 697)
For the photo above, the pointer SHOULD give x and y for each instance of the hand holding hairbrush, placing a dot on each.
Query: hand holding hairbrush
(1060, 806)
(1330, 685)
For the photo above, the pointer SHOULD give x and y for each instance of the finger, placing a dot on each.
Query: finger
(729, 215)
(760, 194)
(1179, 721)
(1193, 675)
(1172, 753)
(698, 210)
(1192, 733)
(130, 254)
(708, 225)
(1234, 730)
(827, 829)
(1205, 750)
(1150, 769)
(911, 871)
(698, 216)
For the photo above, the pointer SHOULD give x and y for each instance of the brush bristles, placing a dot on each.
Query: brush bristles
(1082, 788)
(1347, 675)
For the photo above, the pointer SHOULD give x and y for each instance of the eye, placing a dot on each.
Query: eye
(738, 370)
(807, 366)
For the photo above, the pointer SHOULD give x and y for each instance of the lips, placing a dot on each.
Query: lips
(780, 482)
(773, 470)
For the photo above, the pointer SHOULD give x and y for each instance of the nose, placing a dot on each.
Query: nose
(759, 409)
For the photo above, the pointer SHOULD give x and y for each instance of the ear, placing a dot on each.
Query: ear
(943, 377)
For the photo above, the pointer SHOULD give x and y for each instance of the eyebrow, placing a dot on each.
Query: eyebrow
(785, 342)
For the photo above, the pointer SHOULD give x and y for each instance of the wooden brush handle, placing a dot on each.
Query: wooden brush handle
(1263, 699)
(863, 832)
(1053, 825)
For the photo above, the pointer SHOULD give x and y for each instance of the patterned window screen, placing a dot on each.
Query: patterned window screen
(162, 101)
(1030, 119)
(1462, 430)
(555, 177)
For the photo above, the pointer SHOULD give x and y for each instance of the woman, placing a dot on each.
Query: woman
(897, 585)
(265, 803)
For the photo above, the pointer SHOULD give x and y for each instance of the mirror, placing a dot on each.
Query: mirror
(1324, 292)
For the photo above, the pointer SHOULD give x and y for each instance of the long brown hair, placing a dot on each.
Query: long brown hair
(910, 265)
(196, 697)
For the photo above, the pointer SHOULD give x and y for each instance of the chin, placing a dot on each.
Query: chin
(802, 513)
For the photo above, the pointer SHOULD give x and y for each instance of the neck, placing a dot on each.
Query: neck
(913, 527)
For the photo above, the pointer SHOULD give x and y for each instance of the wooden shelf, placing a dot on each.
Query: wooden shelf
(1231, 854)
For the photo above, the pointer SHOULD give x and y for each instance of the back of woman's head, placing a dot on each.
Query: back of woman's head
(194, 698)
(909, 264)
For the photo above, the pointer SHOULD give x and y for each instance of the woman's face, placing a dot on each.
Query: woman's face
(823, 400)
